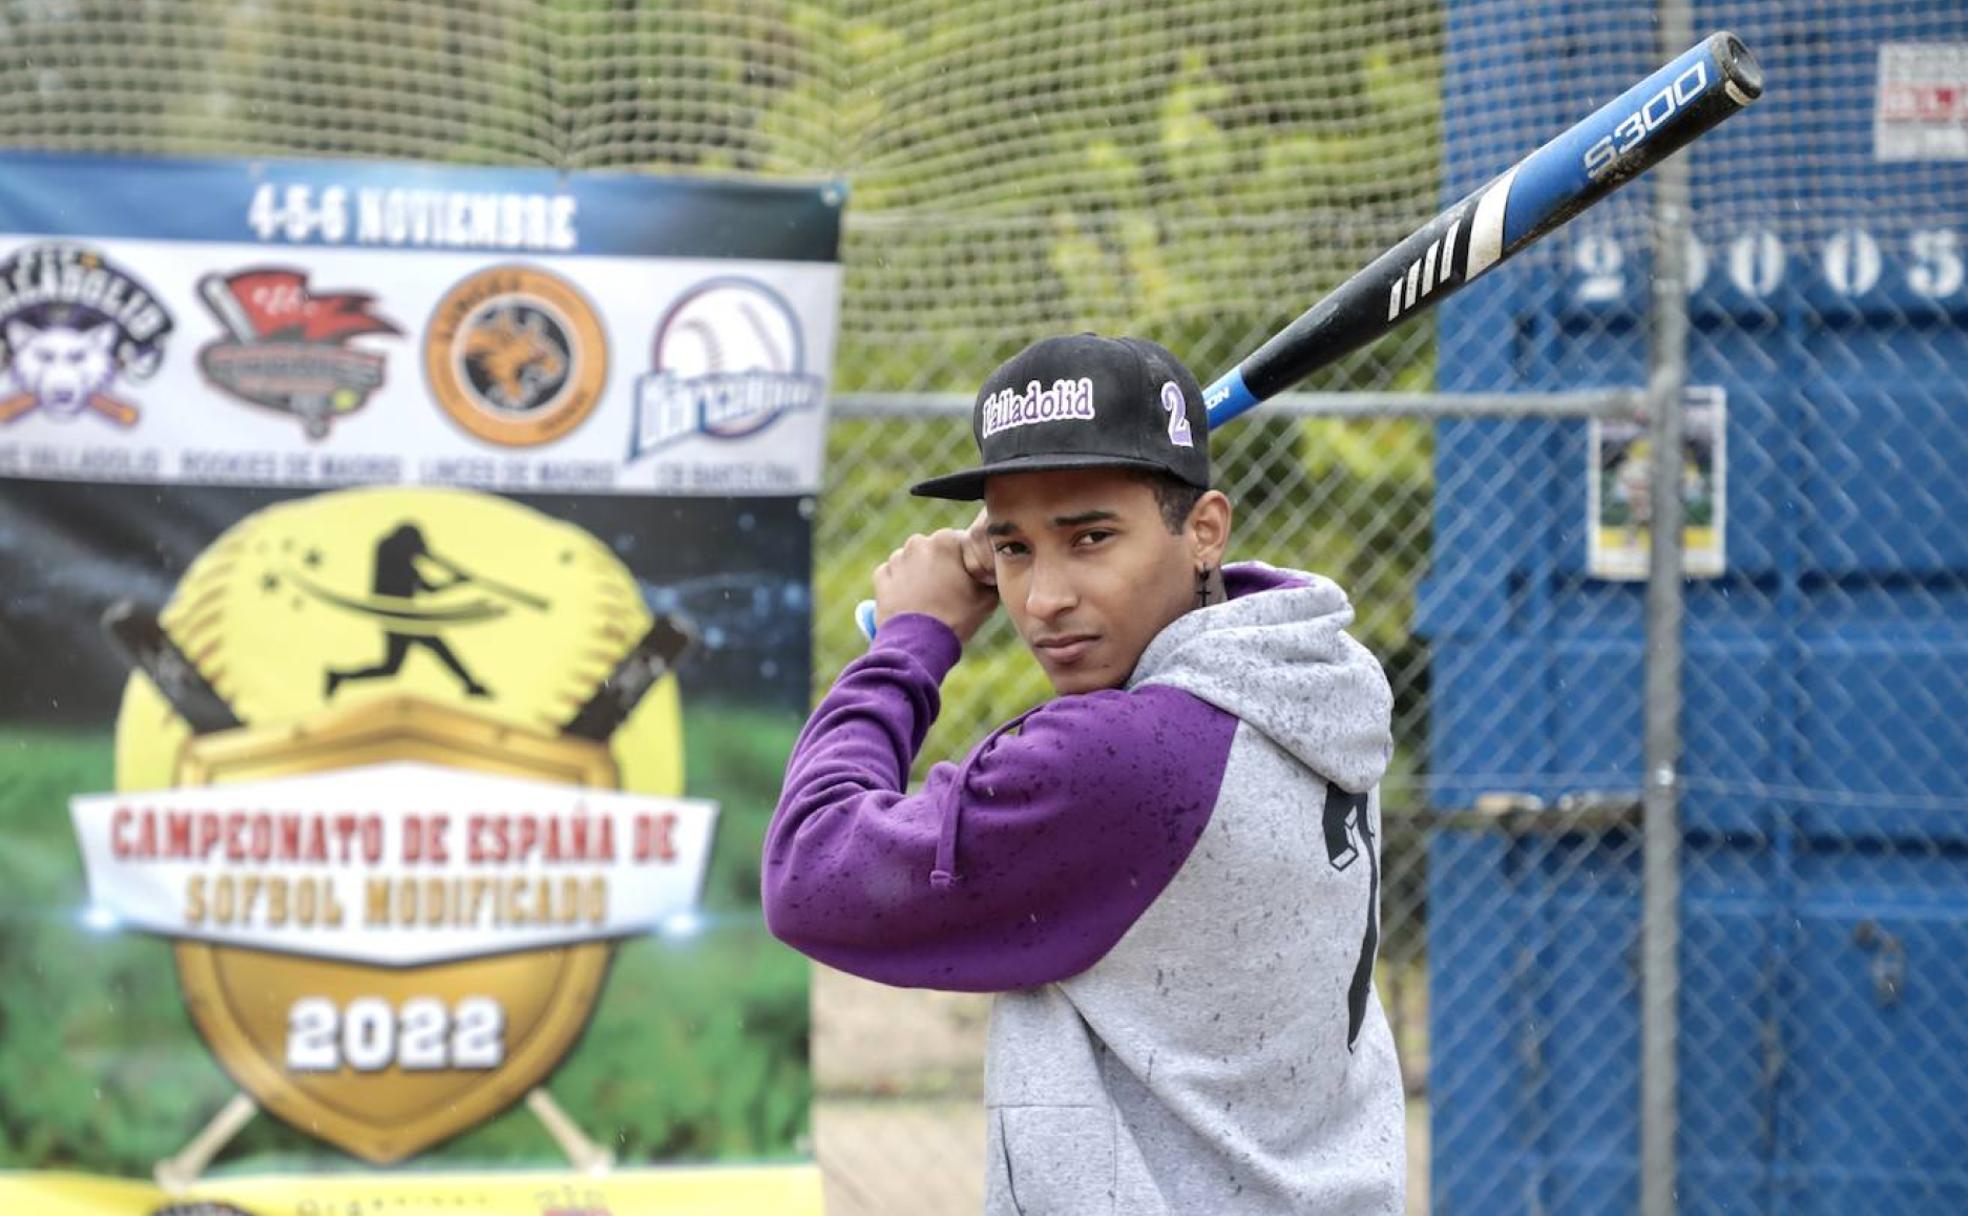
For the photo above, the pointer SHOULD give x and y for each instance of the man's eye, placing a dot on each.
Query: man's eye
(1092, 537)
(1010, 548)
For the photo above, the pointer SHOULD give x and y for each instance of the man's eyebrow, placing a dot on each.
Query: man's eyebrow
(1006, 527)
(1085, 517)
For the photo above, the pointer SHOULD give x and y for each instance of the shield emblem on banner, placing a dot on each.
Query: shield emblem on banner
(395, 658)
(385, 1061)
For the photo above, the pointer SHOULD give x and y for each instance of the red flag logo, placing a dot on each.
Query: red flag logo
(279, 307)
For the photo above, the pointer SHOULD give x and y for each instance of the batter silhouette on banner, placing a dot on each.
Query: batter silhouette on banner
(401, 559)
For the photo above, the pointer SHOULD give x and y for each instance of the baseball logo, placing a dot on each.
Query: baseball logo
(728, 326)
(728, 360)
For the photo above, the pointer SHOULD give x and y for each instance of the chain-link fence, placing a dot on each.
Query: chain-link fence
(1495, 565)
(1197, 172)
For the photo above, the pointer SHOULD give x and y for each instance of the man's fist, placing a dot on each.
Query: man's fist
(978, 555)
(933, 575)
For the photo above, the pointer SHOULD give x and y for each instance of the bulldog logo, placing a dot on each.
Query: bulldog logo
(73, 323)
(397, 769)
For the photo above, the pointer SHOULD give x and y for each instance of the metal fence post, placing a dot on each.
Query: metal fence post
(1661, 825)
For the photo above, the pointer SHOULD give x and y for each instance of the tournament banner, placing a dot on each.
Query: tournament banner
(404, 616)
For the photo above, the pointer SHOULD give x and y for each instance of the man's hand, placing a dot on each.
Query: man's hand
(933, 575)
(979, 557)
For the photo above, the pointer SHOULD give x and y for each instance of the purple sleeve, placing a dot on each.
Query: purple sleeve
(1020, 866)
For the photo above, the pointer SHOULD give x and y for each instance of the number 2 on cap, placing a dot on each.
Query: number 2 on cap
(1178, 416)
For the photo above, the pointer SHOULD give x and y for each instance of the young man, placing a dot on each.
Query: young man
(1169, 872)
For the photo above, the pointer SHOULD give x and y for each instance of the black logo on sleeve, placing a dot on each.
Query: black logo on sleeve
(1345, 815)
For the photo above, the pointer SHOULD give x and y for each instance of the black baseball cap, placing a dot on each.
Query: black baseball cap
(1085, 402)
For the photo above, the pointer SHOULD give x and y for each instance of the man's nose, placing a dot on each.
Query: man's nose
(1051, 591)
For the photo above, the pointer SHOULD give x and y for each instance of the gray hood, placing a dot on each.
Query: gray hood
(1277, 656)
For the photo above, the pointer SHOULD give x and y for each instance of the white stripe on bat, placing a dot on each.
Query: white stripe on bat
(1427, 272)
(1486, 233)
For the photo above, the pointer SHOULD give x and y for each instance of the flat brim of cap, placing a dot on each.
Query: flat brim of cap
(968, 486)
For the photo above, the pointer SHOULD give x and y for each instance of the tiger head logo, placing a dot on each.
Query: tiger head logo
(515, 355)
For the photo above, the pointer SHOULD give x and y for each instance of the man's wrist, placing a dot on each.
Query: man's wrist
(932, 641)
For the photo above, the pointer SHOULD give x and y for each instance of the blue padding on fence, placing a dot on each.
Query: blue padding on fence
(1825, 724)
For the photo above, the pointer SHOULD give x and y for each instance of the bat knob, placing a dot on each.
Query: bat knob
(864, 618)
(1738, 64)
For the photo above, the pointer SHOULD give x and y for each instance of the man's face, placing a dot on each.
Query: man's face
(1088, 570)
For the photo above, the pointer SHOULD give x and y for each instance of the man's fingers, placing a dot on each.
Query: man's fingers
(981, 566)
(979, 560)
(932, 549)
(931, 575)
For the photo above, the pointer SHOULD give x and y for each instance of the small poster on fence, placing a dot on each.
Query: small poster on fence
(1619, 499)
(1920, 107)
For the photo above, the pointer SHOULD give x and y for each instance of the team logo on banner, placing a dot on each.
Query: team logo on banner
(397, 769)
(74, 324)
(288, 348)
(729, 361)
(515, 355)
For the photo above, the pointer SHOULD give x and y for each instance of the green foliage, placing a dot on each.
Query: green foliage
(1192, 173)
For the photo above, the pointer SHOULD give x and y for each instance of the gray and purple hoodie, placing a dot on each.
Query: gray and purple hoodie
(1173, 888)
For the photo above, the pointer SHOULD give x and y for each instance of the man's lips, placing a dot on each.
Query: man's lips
(1065, 649)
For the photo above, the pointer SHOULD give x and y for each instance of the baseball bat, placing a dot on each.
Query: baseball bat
(524, 598)
(1628, 135)
(137, 632)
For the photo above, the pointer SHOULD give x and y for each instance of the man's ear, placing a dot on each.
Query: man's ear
(1209, 529)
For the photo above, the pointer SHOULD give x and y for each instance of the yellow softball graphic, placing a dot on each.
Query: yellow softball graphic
(444, 632)
(455, 598)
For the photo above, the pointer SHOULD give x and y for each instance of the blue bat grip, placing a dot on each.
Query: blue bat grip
(1228, 397)
(864, 617)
